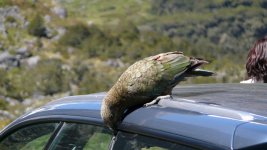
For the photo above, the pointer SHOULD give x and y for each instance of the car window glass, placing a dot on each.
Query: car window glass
(33, 137)
(127, 141)
(73, 136)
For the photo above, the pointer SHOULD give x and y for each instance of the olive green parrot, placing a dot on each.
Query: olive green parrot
(146, 80)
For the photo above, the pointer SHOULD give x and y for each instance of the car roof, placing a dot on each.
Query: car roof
(244, 97)
(208, 113)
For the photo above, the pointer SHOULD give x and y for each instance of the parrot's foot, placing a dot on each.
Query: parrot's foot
(156, 101)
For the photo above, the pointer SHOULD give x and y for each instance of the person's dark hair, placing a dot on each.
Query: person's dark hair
(257, 61)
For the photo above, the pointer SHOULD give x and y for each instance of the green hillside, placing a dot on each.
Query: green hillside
(57, 48)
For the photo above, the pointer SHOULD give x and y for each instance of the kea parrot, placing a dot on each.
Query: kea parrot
(145, 81)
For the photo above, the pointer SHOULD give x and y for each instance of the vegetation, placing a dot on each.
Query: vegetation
(5, 3)
(36, 27)
(3, 104)
(88, 49)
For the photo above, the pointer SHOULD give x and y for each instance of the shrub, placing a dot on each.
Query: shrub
(10, 19)
(3, 82)
(37, 27)
(4, 3)
(50, 77)
(75, 35)
(127, 31)
(97, 77)
(20, 84)
(4, 123)
(3, 104)
(102, 46)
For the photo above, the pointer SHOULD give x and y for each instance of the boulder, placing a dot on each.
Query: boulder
(60, 32)
(7, 60)
(6, 114)
(60, 12)
(23, 52)
(115, 63)
(33, 61)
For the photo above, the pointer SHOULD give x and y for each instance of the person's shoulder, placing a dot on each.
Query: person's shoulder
(248, 81)
(251, 81)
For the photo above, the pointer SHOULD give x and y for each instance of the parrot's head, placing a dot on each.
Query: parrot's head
(111, 114)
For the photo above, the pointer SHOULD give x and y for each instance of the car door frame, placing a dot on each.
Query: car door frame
(16, 125)
(60, 119)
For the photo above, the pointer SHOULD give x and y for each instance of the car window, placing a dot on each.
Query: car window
(128, 141)
(74, 136)
(33, 137)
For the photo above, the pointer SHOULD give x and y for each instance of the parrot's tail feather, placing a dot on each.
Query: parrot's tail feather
(200, 72)
(196, 62)
(195, 71)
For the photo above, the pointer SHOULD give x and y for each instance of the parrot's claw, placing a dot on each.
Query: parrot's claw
(156, 101)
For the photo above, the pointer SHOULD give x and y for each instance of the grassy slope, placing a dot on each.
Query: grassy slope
(102, 12)
(225, 60)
